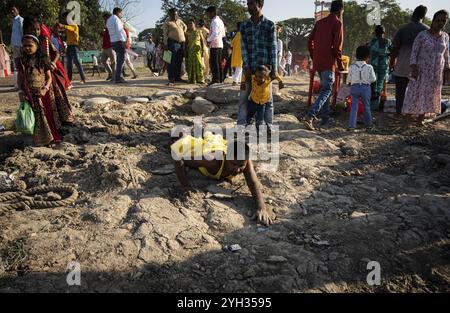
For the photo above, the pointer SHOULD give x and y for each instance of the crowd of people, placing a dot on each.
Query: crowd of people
(418, 57)
(254, 55)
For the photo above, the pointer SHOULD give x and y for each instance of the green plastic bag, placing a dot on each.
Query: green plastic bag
(25, 121)
(167, 56)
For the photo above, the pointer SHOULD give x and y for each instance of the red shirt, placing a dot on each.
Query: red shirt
(106, 39)
(325, 44)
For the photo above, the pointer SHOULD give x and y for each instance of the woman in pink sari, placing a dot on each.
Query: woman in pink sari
(430, 66)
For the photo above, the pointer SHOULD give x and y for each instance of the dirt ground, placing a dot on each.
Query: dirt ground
(342, 199)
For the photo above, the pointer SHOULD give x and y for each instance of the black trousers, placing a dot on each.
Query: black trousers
(401, 83)
(216, 68)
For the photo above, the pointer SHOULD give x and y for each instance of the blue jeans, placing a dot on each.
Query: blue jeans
(255, 109)
(363, 91)
(243, 107)
(73, 57)
(174, 69)
(322, 104)
(119, 49)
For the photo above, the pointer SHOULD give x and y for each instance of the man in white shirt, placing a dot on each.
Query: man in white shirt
(279, 49)
(215, 42)
(288, 62)
(361, 75)
(118, 40)
(150, 49)
(16, 39)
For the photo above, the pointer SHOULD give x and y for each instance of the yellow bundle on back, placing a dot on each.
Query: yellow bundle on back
(190, 147)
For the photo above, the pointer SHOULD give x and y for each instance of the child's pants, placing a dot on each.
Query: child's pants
(363, 91)
(255, 109)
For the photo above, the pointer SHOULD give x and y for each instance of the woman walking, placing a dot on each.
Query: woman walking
(195, 44)
(429, 62)
(236, 56)
(380, 51)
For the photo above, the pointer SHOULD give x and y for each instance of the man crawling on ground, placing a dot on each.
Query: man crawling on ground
(231, 164)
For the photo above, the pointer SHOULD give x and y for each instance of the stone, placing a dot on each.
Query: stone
(96, 101)
(357, 214)
(202, 106)
(137, 100)
(222, 94)
(166, 93)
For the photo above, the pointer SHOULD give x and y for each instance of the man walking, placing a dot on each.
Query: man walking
(259, 47)
(325, 49)
(215, 42)
(16, 35)
(118, 41)
(288, 62)
(279, 49)
(73, 37)
(108, 52)
(174, 30)
(401, 53)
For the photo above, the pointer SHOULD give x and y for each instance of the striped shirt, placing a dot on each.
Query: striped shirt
(259, 44)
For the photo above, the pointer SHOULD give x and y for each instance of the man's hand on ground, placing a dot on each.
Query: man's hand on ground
(265, 216)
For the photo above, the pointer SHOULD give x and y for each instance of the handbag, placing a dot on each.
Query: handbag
(167, 56)
(25, 120)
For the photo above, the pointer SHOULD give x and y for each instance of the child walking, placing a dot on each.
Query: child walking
(95, 66)
(361, 76)
(35, 81)
(260, 96)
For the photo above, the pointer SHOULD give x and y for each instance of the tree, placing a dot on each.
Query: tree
(91, 17)
(231, 11)
(297, 31)
(147, 33)
(356, 30)
(129, 7)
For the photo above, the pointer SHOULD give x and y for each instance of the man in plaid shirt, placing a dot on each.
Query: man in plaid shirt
(259, 47)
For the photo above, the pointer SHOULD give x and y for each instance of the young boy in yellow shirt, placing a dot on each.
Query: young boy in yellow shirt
(260, 95)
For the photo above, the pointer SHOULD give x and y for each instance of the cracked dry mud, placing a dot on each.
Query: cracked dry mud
(342, 200)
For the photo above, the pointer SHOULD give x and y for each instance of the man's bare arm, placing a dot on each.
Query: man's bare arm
(263, 214)
(180, 169)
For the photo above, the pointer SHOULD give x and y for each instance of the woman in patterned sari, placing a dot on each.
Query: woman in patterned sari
(59, 79)
(35, 80)
(195, 46)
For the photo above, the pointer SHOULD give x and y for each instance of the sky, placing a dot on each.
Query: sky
(151, 9)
